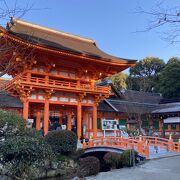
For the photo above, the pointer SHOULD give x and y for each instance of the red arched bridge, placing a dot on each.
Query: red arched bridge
(142, 144)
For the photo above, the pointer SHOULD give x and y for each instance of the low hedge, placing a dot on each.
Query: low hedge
(62, 141)
(21, 155)
(77, 154)
(10, 124)
(113, 160)
(127, 157)
(88, 166)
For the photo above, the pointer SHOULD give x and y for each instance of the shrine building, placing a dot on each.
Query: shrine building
(54, 74)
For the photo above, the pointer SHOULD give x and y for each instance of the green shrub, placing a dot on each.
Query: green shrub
(77, 154)
(127, 157)
(10, 124)
(62, 141)
(88, 166)
(22, 153)
(63, 158)
(113, 160)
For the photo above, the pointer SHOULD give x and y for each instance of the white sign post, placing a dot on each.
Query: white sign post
(109, 125)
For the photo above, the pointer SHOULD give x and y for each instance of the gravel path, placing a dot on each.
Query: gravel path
(159, 169)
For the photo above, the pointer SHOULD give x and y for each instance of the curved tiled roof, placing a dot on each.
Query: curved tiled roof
(132, 101)
(141, 97)
(60, 41)
(168, 108)
(103, 106)
(133, 107)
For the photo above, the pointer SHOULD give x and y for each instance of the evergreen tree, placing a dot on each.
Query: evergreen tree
(169, 80)
(144, 75)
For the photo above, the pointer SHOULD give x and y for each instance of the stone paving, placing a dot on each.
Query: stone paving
(160, 169)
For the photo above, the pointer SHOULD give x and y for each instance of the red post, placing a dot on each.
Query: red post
(147, 151)
(92, 84)
(179, 145)
(161, 125)
(94, 121)
(140, 145)
(79, 120)
(25, 109)
(28, 77)
(38, 118)
(69, 125)
(91, 143)
(170, 143)
(169, 127)
(78, 84)
(46, 116)
(46, 79)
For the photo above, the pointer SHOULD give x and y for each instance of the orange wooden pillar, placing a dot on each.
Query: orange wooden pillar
(140, 145)
(78, 83)
(79, 120)
(46, 116)
(38, 119)
(69, 125)
(169, 127)
(28, 77)
(92, 84)
(46, 79)
(94, 121)
(25, 109)
(177, 127)
(160, 125)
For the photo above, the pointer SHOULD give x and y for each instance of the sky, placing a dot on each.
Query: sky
(112, 23)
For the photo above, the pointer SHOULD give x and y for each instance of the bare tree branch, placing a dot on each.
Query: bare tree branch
(14, 57)
(166, 19)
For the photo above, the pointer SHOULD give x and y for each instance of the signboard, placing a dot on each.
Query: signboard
(109, 124)
(121, 127)
(63, 127)
(30, 120)
(29, 123)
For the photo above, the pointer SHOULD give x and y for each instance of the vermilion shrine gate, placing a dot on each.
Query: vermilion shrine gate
(55, 72)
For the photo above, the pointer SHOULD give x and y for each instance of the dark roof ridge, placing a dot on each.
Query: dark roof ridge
(14, 21)
(132, 102)
(142, 92)
(170, 100)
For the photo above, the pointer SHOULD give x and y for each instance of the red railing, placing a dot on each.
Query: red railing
(118, 142)
(9, 83)
(140, 144)
(162, 142)
(36, 81)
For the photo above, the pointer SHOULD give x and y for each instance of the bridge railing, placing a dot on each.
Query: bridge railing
(161, 142)
(119, 142)
(140, 144)
(177, 147)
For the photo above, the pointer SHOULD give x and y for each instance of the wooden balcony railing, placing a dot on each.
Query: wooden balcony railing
(57, 84)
